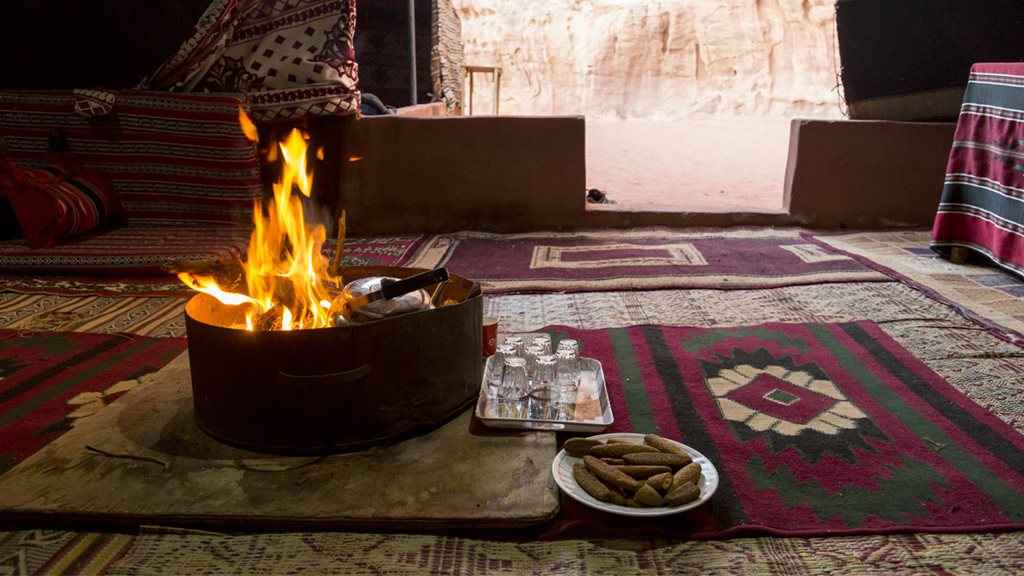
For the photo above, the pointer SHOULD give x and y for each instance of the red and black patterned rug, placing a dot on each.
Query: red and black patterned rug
(814, 428)
(652, 258)
(48, 380)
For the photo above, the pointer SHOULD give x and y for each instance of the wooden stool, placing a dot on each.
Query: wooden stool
(495, 72)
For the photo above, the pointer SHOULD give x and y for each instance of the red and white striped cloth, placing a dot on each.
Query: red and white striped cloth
(982, 205)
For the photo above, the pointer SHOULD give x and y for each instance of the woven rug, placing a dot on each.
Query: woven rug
(156, 316)
(60, 552)
(347, 553)
(651, 258)
(814, 428)
(165, 285)
(361, 251)
(147, 306)
(978, 289)
(132, 250)
(48, 380)
(984, 368)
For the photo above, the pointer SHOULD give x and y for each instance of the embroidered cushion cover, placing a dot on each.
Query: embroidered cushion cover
(170, 157)
(293, 59)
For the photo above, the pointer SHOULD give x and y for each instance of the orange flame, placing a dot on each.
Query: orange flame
(248, 128)
(209, 286)
(285, 271)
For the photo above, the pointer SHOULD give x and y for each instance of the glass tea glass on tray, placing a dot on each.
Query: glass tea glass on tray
(496, 366)
(516, 340)
(569, 344)
(567, 369)
(538, 404)
(531, 353)
(544, 372)
(544, 341)
(567, 382)
(514, 382)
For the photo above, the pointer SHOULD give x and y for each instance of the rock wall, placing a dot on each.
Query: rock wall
(654, 59)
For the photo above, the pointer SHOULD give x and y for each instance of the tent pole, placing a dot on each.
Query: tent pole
(412, 52)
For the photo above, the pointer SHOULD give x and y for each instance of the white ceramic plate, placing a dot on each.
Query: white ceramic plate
(561, 468)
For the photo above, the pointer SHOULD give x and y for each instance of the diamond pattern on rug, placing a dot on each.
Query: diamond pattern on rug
(814, 428)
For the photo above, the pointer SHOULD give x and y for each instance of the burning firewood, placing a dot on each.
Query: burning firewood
(269, 320)
(339, 246)
(285, 282)
(228, 273)
(274, 319)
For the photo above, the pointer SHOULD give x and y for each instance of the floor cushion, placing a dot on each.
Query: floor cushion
(131, 250)
(171, 157)
(52, 203)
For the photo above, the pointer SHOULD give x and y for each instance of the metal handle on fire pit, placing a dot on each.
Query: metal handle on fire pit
(323, 379)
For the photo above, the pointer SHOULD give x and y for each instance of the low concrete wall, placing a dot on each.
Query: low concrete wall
(866, 174)
(496, 173)
(509, 174)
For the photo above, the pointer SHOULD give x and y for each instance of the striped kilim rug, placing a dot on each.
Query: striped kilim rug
(147, 306)
(980, 204)
(143, 315)
(652, 258)
(60, 552)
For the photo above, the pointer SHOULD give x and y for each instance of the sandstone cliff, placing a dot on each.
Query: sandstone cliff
(654, 59)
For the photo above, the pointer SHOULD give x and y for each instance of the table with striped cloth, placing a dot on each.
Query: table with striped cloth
(982, 205)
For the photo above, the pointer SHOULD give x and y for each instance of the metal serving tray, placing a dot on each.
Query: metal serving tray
(591, 413)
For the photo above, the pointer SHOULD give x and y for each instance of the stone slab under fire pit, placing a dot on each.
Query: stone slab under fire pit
(142, 460)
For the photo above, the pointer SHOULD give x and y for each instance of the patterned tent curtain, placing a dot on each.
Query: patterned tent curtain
(294, 58)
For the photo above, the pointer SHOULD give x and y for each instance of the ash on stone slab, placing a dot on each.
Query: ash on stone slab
(143, 460)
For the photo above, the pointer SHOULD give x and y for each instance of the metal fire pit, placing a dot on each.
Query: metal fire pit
(336, 389)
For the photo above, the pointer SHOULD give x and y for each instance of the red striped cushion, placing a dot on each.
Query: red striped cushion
(171, 157)
(51, 204)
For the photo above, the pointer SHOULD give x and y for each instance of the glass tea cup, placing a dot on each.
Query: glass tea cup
(569, 344)
(517, 341)
(567, 371)
(531, 353)
(514, 383)
(544, 341)
(544, 372)
(538, 404)
(496, 366)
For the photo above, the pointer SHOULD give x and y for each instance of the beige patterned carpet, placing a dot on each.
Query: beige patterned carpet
(977, 287)
(986, 367)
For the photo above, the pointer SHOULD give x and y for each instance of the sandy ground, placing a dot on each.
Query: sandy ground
(698, 163)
